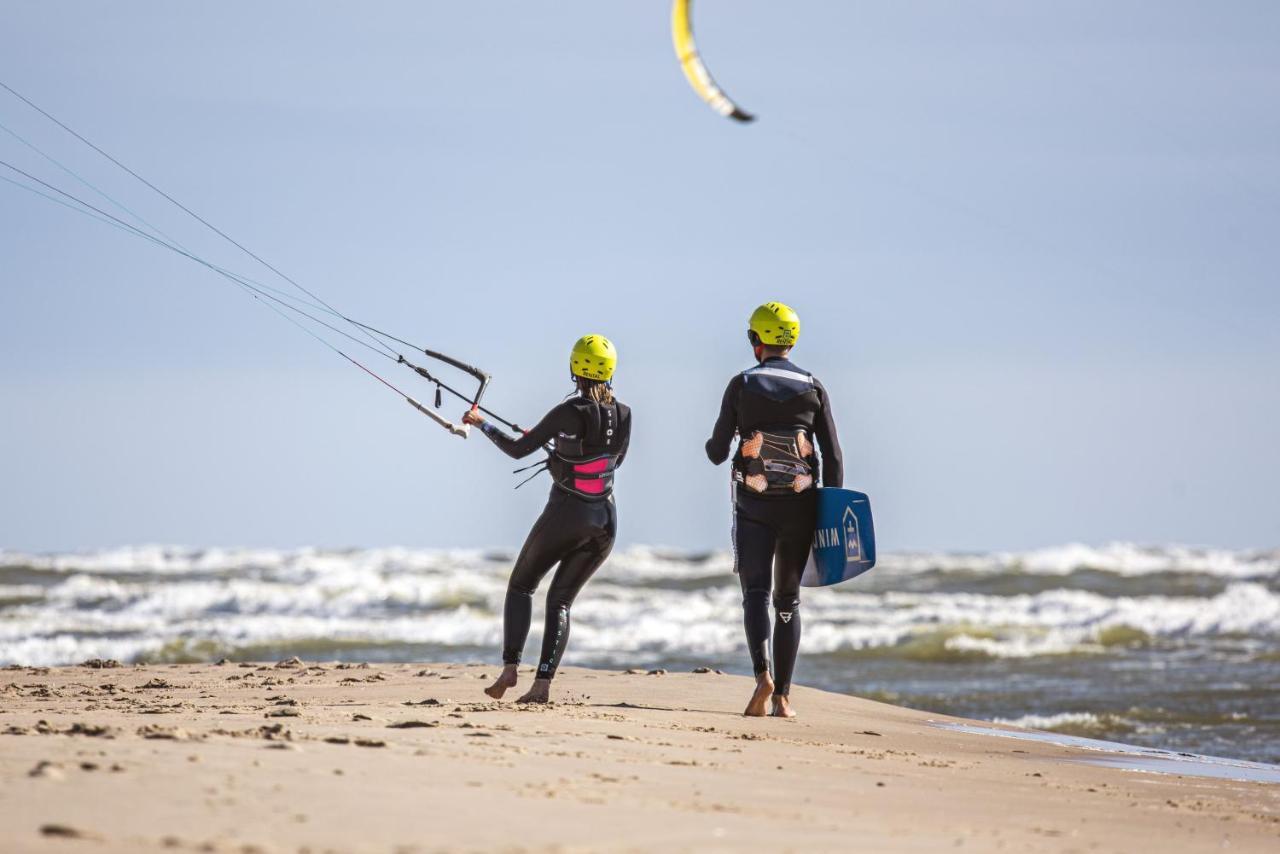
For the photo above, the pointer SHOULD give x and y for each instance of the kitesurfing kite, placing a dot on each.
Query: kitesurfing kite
(691, 62)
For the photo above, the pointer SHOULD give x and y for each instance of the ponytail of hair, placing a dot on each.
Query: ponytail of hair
(601, 393)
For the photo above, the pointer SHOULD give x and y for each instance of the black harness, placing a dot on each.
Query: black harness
(777, 408)
(776, 463)
(583, 464)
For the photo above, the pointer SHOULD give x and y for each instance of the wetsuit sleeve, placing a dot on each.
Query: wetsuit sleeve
(829, 442)
(564, 418)
(718, 445)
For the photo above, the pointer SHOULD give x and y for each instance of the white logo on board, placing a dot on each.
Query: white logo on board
(852, 542)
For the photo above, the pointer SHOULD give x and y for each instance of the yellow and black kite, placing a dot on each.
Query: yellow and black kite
(699, 78)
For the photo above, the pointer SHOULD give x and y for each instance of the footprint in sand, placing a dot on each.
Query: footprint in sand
(66, 831)
(152, 731)
(48, 770)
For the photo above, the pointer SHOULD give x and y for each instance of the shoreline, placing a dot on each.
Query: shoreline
(1117, 642)
(302, 756)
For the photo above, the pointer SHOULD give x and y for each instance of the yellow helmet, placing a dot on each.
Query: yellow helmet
(776, 324)
(593, 358)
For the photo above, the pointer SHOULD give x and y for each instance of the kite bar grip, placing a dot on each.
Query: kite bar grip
(463, 431)
(462, 366)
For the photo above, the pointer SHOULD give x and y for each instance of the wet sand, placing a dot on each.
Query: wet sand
(331, 757)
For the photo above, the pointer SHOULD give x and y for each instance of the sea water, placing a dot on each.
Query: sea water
(1169, 647)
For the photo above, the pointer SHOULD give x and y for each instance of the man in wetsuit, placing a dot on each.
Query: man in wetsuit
(586, 438)
(777, 410)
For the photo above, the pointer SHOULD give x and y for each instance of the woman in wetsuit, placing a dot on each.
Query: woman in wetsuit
(777, 410)
(586, 439)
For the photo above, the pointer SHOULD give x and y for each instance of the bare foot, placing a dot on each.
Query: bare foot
(539, 693)
(782, 707)
(506, 679)
(764, 690)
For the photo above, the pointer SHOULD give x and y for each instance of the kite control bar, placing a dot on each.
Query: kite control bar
(463, 366)
(481, 377)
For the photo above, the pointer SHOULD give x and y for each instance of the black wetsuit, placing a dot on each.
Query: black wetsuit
(575, 530)
(772, 534)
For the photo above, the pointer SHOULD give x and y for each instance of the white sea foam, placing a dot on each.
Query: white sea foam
(127, 603)
(643, 563)
(1063, 720)
(1124, 559)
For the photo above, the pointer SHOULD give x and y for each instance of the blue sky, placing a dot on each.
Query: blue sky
(1033, 247)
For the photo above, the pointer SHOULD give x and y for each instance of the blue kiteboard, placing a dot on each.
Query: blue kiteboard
(844, 542)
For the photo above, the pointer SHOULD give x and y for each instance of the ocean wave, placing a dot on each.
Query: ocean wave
(138, 603)
(645, 563)
(1085, 724)
(177, 560)
(1124, 559)
(1150, 724)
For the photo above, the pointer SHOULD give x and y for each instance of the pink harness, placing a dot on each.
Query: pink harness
(598, 469)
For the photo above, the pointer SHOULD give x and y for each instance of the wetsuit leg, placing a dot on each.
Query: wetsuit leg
(772, 538)
(789, 560)
(754, 544)
(539, 553)
(574, 571)
(795, 538)
(576, 534)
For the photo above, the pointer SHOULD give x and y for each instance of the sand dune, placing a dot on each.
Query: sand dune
(296, 756)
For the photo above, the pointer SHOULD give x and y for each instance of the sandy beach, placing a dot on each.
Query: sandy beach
(346, 757)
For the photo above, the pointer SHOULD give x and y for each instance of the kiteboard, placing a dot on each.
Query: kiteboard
(844, 541)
